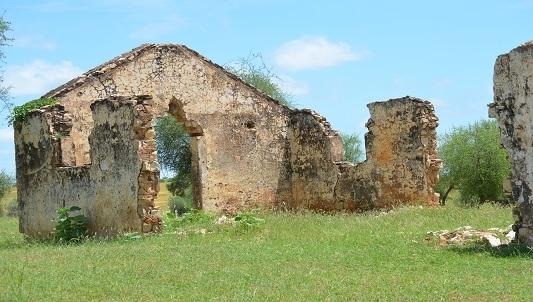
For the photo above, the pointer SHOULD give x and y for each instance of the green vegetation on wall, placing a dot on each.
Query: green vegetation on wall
(256, 73)
(20, 113)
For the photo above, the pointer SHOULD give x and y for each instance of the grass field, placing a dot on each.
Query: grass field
(163, 196)
(291, 257)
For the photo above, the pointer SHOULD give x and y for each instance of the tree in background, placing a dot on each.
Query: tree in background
(474, 163)
(173, 153)
(6, 183)
(4, 41)
(352, 145)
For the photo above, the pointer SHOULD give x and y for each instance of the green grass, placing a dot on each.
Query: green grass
(291, 257)
(163, 196)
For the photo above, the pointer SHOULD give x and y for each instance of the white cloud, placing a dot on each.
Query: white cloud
(292, 86)
(6, 135)
(35, 42)
(314, 53)
(38, 76)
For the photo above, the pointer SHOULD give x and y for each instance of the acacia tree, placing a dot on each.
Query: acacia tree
(473, 162)
(352, 146)
(173, 153)
(255, 72)
(5, 26)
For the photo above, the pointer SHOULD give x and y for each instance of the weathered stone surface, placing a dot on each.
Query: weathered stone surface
(513, 109)
(401, 166)
(106, 190)
(97, 148)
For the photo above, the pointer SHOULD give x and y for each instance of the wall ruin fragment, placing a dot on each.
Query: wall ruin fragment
(513, 109)
(96, 149)
(401, 165)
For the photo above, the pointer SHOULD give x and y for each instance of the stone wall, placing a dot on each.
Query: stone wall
(234, 127)
(401, 166)
(107, 191)
(513, 109)
(97, 150)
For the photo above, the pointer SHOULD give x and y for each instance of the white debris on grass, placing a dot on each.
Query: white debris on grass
(494, 236)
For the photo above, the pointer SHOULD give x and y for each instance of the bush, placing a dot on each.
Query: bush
(179, 184)
(70, 228)
(12, 209)
(352, 147)
(194, 217)
(6, 183)
(181, 204)
(474, 163)
(248, 220)
(20, 113)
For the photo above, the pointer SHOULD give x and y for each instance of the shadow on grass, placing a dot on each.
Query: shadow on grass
(503, 251)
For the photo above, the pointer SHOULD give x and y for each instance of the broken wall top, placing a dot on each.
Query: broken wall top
(131, 56)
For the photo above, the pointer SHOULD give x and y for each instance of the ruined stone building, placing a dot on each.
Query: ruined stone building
(513, 109)
(96, 148)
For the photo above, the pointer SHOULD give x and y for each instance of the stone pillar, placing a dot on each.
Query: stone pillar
(145, 135)
(513, 109)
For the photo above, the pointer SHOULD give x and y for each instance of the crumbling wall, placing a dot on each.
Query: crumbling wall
(97, 150)
(513, 109)
(238, 134)
(401, 166)
(111, 191)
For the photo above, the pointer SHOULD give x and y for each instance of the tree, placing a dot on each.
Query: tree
(255, 72)
(5, 26)
(352, 148)
(6, 182)
(474, 163)
(173, 153)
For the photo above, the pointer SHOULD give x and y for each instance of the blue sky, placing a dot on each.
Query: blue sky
(333, 56)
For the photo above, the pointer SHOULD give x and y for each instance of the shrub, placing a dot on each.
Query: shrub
(6, 182)
(352, 147)
(248, 220)
(19, 113)
(181, 204)
(70, 228)
(12, 208)
(194, 217)
(474, 163)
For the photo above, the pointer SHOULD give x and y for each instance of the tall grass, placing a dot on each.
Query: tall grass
(291, 257)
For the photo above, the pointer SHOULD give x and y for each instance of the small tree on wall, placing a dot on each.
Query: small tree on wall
(256, 73)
